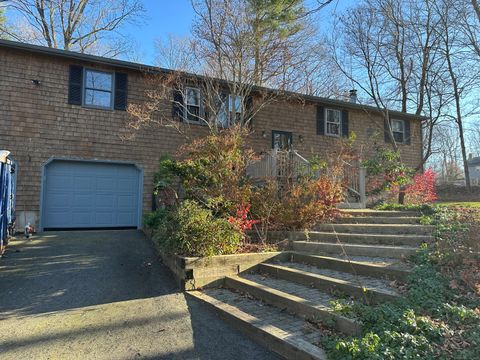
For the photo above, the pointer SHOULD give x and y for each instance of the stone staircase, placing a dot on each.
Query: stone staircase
(287, 305)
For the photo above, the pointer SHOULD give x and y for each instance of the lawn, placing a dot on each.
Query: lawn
(468, 204)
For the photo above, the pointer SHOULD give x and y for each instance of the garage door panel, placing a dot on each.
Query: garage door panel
(80, 218)
(126, 201)
(126, 184)
(60, 181)
(106, 201)
(83, 183)
(104, 218)
(127, 218)
(105, 184)
(82, 200)
(59, 200)
(90, 194)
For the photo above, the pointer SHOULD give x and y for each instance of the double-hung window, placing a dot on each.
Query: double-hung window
(98, 89)
(398, 130)
(333, 122)
(235, 107)
(192, 104)
(230, 110)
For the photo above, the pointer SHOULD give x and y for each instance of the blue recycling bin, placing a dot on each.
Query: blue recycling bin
(7, 197)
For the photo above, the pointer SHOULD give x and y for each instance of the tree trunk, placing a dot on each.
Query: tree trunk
(476, 6)
(464, 151)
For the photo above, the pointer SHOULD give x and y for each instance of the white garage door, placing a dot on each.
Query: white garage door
(80, 194)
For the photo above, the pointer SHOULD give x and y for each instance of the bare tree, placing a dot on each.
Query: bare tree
(81, 25)
(237, 46)
(462, 67)
(177, 53)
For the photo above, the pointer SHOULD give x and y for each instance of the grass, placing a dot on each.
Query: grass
(468, 204)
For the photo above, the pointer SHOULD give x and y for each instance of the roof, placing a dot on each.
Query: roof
(149, 68)
(473, 161)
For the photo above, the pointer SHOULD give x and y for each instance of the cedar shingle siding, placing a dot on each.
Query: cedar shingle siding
(38, 122)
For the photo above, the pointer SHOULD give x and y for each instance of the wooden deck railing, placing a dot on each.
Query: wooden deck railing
(289, 166)
(281, 165)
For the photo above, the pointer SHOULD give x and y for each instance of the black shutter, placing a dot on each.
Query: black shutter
(75, 85)
(345, 123)
(177, 108)
(320, 120)
(387, 131)
(407, 132)
(121, 87)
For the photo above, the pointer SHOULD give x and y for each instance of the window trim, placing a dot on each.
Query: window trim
(403, 131)
(281, 132)
(339, 123)
(185, 112)
(84, 89)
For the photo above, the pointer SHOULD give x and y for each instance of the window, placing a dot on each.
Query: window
(98, 89)
(192, 103)
(398, 130)
(235, 107)
(332, 122)
(281, 140)
(230, 110)
(222, 116)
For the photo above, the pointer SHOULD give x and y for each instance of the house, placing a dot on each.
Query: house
(474, 169)
(62, 115)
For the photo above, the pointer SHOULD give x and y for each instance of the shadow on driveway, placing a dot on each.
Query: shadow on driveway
(104, 295)
(64, 270)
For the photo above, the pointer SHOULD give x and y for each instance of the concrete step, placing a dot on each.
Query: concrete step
(289, 336)
(370, 290)
(397, 252)
(378, 220)
(370, 239)
(371, 267)
(378, 229)
(296, 299)
(382, 213)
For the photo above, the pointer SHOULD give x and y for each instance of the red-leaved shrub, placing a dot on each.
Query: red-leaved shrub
(241, 221)
(422, 188)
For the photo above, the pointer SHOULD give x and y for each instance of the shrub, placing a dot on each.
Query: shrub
(192, 230)
(300, 206)
(386, 165)
(154, 219)
(214, 167)
(310, 201)
(422, 188)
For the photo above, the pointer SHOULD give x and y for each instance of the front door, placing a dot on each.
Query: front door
(281, 140)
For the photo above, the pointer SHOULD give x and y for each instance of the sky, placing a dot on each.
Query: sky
(175, 17)
(163, 17)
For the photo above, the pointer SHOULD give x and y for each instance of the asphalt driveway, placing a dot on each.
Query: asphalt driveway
(104, 295)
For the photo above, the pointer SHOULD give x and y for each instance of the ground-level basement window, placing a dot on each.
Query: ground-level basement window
(398, 130)
(333, 120)
(98, 89)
